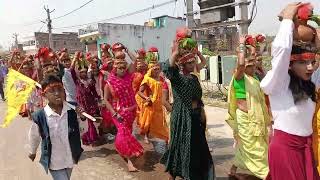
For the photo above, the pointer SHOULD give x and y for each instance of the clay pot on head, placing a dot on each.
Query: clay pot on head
(183, 32)
(303, 32)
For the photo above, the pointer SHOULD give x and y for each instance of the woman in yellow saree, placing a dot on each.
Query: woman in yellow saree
(152, 120)
(248, 116)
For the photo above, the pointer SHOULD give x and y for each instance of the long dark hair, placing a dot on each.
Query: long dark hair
(301, 89)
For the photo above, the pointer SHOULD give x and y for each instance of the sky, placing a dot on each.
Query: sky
(24, 16)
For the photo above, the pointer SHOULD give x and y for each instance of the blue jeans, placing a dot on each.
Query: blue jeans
(62, 174)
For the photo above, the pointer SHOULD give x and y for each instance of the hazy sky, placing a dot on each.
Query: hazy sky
(21, 16)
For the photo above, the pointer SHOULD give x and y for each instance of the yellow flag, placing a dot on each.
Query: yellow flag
(17, 92)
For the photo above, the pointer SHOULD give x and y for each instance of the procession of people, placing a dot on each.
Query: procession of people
(274, 115)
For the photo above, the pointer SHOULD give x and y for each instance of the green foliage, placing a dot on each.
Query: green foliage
(206, 51)
(266, 62)
(188, 43)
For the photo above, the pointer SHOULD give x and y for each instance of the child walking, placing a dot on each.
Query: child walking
(57, 128)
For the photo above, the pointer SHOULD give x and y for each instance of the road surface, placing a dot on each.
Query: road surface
(103, 163)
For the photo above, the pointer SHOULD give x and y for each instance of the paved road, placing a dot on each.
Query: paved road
(103, 163)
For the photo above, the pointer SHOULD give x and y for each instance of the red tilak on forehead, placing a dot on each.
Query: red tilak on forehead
(303, 56)
(50, 86)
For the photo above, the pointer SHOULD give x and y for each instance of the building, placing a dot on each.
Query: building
(158, 32)
(67, 40)
(221, 40)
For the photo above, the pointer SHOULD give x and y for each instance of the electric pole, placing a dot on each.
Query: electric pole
(15, 36)
(242, 14)
(49, 25)
(190, 16)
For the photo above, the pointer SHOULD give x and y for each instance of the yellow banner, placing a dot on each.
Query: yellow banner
(17, 92)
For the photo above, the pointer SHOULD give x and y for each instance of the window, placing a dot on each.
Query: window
(64, 43)
(162, 22)
(54, 44)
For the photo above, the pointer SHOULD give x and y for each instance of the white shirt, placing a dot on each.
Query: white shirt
(69, 86)
(61, 156)
(292, 118)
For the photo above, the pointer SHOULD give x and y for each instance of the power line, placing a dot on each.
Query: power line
(72, 10)
(40, 21)
(121, 16)
(174, 10)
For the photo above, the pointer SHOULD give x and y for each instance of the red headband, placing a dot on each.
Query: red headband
(186, 58)
(303, 56)
(52, 86)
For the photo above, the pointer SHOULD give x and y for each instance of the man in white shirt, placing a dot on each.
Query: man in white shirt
(67, 80)
(57, 128)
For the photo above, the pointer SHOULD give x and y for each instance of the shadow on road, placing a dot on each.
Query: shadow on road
(220, 143)
(148, 161)
(103, 152)
(220, 159)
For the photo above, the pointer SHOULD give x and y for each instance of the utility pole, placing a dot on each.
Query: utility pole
(242, 14)
(15, 36)
(190, 18)
(49, 25)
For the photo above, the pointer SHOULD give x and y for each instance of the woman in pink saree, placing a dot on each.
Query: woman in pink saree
(120, 101)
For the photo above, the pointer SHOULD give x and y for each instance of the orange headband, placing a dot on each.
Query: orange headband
(50, 86)
(303, 56)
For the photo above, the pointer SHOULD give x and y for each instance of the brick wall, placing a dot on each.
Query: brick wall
(64, 40)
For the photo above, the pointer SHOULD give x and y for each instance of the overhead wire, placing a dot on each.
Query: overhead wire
(253, 10)
(174, 9)
(40, 21)
(72, 10)
(120, 16)
(41, 27)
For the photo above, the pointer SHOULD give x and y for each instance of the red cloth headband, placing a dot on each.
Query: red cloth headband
(187, 58)
(50, 86)
(303, 56)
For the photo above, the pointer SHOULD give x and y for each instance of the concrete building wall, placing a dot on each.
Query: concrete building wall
(163, 37)
(136, 36)
(127, 34)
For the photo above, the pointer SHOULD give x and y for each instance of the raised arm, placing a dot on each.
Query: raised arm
(203, 61)
(278, 78)
(74, 60)
(242, 52)
(174, 56)
(133, 63)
